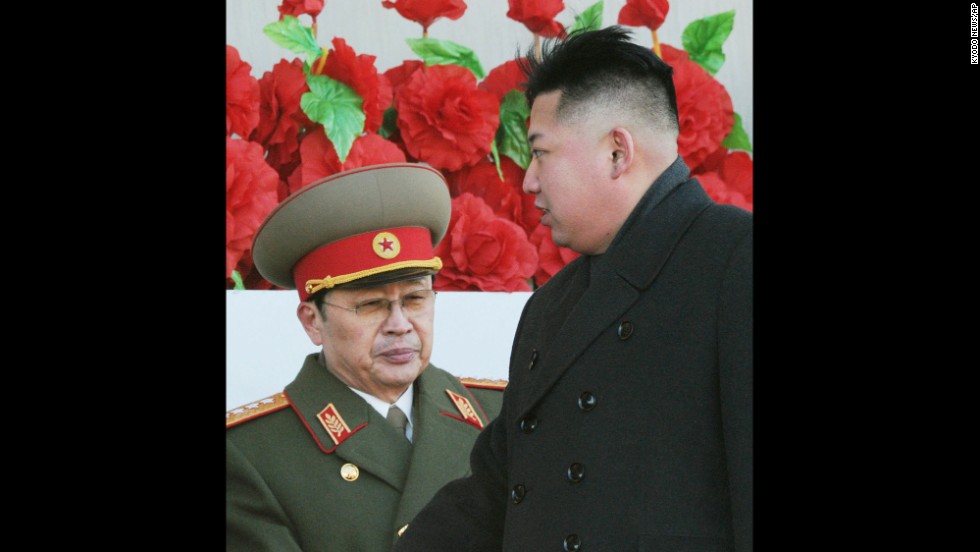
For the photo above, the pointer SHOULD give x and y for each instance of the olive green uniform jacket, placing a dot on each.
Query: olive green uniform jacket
(291, 487)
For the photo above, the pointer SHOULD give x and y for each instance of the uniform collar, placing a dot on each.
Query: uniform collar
(404, 403)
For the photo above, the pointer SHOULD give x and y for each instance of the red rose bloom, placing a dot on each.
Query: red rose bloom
(644, 13)
(359, 73)
(551, 257)
(704, 108)
(444, 119)
(502, 79)
(483, 252)
(481, 180)
(281, 118)
(297, 8)
(250, 194)
(241, 95)
(538, 15)
(721, 192)
(426, 12)
(320, 158)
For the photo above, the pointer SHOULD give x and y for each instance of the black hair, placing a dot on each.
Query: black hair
(596, 66)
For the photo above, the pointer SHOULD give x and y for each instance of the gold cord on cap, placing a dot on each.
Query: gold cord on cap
(315, 285)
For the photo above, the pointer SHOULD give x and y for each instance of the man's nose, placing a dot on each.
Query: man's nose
(397, 321)
(530, 185)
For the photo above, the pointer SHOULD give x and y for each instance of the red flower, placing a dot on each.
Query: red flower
(482, 251)
(551, 257)
(737, 171)
(644, 13)
(297, 8)
(538, 15)
(426, 12)
(444, 119)
(241, 95)
(250, 194)
(399, 75)
(704, 108)
(504, 197)
(281, 120)
(721, 192)
(712, 163)
(320, 158)
(502, 79)
(733, 167)
(359, 73)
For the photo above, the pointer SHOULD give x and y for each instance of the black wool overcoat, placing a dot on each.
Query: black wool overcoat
(627, 422)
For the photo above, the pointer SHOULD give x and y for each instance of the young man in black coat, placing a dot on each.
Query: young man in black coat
(627, 423)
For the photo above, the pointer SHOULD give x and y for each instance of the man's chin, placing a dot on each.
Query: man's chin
(401, 373)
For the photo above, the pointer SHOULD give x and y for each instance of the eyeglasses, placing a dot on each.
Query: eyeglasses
(413, 303)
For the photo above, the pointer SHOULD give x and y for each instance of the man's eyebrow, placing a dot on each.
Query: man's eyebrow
(532, 137)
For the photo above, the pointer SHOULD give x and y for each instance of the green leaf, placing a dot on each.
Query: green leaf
(389, 125)
(512, 132)
(444, 52)
(703, 39)
(338, 108)
(293, 36)
(237, 278)
(496, 160)
(738, 139)
(590, 19)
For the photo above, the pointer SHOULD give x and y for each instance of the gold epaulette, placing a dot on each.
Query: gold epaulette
(255, 409)
(484, 383)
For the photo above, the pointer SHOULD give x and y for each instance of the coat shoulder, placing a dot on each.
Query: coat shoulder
(255, 409)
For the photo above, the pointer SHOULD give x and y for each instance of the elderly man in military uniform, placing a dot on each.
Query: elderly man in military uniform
(369, 430)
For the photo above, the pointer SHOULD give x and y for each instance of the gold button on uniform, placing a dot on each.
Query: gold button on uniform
(349, 472)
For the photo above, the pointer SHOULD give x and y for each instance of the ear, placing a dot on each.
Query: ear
(311, 320)
(622, 151)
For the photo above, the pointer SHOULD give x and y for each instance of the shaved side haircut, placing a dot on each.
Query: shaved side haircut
(600, 69)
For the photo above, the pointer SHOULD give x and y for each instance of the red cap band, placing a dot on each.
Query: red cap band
(364, 255)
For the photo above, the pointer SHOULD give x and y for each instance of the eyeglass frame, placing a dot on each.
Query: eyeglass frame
(400, 301)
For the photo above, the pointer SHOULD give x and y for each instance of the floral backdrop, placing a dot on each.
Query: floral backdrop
(329, 109)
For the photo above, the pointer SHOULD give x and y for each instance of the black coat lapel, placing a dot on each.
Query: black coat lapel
(630, 266)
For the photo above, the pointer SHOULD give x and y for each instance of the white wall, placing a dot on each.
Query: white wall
(485, 28)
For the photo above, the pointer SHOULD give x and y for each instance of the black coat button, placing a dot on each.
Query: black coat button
(572, 543)
(529, 423)
(517, 494)
(534, 358)
(586, 401)
(576, 472)
(625, 330)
